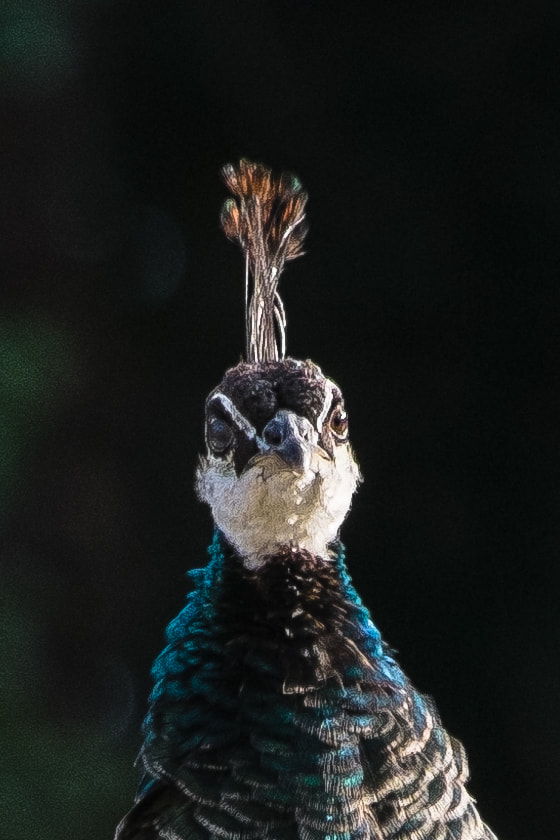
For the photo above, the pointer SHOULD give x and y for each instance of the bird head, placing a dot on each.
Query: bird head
(278, 469)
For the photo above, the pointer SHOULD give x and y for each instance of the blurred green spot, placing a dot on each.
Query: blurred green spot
(35, 41)
(32, 358)
(36, 369)
(57, 781)
(20, 657)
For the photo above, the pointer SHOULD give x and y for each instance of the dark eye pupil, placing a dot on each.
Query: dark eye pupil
(220, 435)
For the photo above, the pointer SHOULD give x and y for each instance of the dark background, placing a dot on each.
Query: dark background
(427, 135)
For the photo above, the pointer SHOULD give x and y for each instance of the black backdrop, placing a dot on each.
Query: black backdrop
(427, 135)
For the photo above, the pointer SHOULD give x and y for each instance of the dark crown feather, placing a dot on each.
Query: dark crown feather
(266, 216)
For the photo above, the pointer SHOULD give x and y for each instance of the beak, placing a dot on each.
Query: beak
(291, 438)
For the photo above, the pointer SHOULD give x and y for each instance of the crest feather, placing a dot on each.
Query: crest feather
(266, 216)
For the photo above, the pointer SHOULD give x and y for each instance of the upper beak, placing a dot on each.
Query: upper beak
(291, 438)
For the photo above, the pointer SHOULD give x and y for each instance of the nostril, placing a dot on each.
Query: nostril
(273, 434)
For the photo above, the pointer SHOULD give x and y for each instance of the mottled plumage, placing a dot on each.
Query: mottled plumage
(278, 713)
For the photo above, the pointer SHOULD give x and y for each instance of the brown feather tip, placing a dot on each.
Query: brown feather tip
(266, 208)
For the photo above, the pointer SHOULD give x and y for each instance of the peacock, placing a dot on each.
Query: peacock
(278, 712)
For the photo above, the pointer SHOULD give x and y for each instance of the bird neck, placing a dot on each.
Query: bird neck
(292, 596)
(257, 648)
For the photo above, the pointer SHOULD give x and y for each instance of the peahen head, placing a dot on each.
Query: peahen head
(279, 469)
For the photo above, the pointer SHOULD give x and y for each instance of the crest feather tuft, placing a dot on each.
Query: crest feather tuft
(266, 216)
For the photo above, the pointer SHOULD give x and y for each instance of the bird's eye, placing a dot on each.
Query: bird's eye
(338, 423)
(219, 435)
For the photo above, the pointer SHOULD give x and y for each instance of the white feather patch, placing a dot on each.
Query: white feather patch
(270, 504)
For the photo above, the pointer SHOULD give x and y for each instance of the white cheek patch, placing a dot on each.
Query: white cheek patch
(270, 504)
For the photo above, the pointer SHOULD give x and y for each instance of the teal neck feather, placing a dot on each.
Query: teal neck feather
(264, 692)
